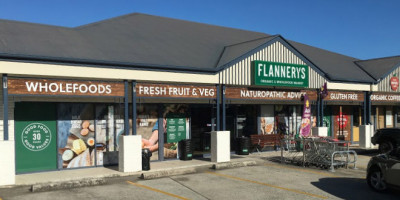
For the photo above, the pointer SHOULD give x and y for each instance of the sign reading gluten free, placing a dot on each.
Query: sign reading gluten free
(17, 86)
(279, 74)
(344, 96)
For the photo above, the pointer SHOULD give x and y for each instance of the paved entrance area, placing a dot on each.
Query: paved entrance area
(268, 180)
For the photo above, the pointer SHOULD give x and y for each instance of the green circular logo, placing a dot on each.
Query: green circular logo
(36, 137)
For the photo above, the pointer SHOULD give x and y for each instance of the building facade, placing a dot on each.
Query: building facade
(68, 93)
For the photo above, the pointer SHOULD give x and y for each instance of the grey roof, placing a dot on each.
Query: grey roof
(140, 40)
(380, 67)
(36, 40)
(337, 67)
(159, 41)
(233, 52)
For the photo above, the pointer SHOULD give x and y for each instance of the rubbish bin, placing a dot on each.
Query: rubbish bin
(185, 149)
(242, 145)
(146, 154)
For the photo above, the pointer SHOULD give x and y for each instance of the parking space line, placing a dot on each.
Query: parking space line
(155, 190)
(302, 170)
(266, 184)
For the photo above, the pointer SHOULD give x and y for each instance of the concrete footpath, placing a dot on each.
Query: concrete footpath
(97, 175)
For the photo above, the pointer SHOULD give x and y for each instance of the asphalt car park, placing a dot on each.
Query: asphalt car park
(267, 181)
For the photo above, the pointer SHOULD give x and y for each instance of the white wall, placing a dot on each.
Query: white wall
(85, 72)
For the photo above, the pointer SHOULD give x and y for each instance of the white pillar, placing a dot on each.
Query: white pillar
(365, 136)
(220, 146)
(7, 163)
(130, 153)
(319, 131)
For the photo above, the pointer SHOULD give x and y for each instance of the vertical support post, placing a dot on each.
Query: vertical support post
(322, 112)
(126, 109)
(395, 108)
(134, 117)
(5, 106)
(384, 116)
(223, 109)
(160, 133)
(218, 110)
(318, 108)
(364, 118)
(369, 107)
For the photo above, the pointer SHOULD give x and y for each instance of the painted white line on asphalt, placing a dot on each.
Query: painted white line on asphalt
(269, 185)
(155, 190)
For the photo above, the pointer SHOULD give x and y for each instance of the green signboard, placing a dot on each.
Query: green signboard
(35, 137)
(279, 74)
(176, 127)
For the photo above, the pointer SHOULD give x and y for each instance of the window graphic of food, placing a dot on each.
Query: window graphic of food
(267, 125)
(80, 148)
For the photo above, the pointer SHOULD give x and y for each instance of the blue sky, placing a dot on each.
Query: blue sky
(359, 28)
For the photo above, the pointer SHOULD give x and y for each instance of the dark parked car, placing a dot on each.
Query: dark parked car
(384, 171)
(387, 138)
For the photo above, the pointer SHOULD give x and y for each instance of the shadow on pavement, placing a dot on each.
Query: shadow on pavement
(366, 152)
(346, 188)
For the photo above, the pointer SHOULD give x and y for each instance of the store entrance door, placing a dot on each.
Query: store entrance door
(202, 123)
(35, 136)
(342, 122)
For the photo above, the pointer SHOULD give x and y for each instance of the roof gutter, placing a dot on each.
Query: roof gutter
(97, 63)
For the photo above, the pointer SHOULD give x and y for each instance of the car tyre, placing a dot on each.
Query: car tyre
(385, 147)
(376, 180)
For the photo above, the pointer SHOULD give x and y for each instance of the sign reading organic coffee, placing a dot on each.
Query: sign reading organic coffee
(385, 97)
(177, 91)
(344, 96)
(64, 87)
(266, 94)
(280, 74)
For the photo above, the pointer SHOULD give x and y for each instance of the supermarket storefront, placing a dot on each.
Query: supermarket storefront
(64, 124)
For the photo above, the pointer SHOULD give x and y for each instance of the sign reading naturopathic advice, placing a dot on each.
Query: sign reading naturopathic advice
(176, 127)
(267, 94)
(19, 86)
(279, 74)
(175, 91)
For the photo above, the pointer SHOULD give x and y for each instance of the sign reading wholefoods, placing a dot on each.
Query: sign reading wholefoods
(21, 86)
(280, 74)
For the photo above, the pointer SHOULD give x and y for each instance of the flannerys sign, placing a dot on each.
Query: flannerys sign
(280, 74)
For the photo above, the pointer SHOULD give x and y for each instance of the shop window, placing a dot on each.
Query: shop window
(267, 120)
(76, 135)
(280, 119)
(202, 122)
(389, 117)
(397, 117)
(356, 116)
